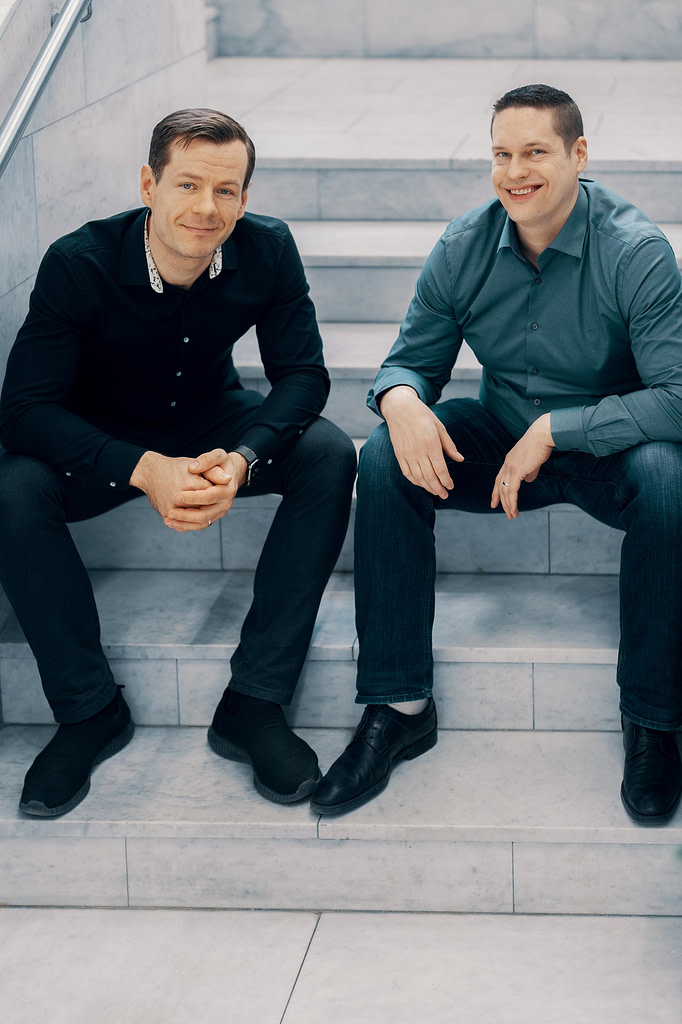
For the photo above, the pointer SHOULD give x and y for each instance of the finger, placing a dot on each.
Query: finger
(190, 518)
(217, 475)
(207, 461)
(448, 445)
(213, 495)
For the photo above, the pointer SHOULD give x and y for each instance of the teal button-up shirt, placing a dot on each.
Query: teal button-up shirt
(594, 337)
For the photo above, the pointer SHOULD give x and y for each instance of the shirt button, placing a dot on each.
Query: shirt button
(172, 405)
(112, 483)
(534, 326)
(536, 401)
(534, 371)
(538, 280)
(67, 473)
(179, 373)
(185, 340)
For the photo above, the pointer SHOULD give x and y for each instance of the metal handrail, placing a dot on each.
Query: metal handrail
(63, 27)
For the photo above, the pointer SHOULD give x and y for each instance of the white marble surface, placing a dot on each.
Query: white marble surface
(157, 968)
(393, 969)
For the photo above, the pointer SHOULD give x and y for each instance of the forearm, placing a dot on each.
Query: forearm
(620, 421)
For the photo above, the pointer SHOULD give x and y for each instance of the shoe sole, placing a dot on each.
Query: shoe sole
(423, 745)
(231, 752)
(41, 810)
(649, 819)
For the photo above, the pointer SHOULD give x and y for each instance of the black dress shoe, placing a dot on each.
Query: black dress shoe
(59, 778)
(383, 737)
(652, 779)
(255, 732)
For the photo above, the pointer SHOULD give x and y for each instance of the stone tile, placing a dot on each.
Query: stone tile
(166, 783)
(520, 787)
(243, 533)
(200, 686)
(23, 31)
(404, 243)
(378, 194)
(507, 969)
(581, 544)
(351, 293)
(66, 196)
(13, 309)
(325, 696)
(56, 871)
(610, 29)
(19, 252)
(481, 696)
(151, 689)
(133, 536)
(576, 697)
(576, 878)
(467, 542)
(490, 617)
(23, 700)
(65, 89)
(289, 195)
(313, 875)
(177, 86)
(170, 964)
(284, 29)
(445, 29)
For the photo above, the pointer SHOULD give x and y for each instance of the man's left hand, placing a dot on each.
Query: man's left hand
(522, 463)
(197, 509)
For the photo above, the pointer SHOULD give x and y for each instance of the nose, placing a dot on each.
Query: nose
(204, 202)
(518, 168)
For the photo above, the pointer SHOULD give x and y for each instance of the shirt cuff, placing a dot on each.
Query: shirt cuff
(115, 463)
(395, 376)
(568, 432)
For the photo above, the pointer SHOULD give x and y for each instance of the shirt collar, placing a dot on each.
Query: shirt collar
(155, 280)
(570, 239)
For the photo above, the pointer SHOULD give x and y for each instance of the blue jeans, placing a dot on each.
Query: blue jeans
(638, 490)
(50, 592)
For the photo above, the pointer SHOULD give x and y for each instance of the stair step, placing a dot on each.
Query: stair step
(525, 822)
(386, 139)
(512, 652)
(366, 271)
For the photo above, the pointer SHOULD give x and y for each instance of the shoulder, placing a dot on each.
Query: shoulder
(617, 222)
(97, 238)
(475, 232)
(261, 230)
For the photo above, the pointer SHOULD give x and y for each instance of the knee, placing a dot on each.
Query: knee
(24, 481)
(330, 452)
(655, 476)
(378, 464)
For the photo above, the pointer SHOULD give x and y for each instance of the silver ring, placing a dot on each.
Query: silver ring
(210, 521)
(505, 484)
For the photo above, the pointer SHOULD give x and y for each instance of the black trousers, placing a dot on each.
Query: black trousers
(50, 591)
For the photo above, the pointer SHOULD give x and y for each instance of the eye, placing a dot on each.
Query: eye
(187, 185)
(225, 192)
(537, 152)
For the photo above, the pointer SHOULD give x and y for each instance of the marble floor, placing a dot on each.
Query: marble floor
(251, 967)
(438, 110)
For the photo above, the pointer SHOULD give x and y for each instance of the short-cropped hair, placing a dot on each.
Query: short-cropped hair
(184, 126)
(568, 121)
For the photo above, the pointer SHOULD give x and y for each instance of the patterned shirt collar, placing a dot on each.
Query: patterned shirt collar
(155, 280)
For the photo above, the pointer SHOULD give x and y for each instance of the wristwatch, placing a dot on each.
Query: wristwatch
(252, 463)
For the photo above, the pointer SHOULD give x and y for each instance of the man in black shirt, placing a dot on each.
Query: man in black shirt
(121, 382)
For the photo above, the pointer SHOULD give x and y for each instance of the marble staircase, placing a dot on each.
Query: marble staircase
(517, 808)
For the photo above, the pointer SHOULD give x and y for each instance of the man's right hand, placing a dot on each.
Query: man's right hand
(162, 479)
(419, 440)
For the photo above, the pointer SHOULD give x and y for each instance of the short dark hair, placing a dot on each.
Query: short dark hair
(184, 126)
(568, 121)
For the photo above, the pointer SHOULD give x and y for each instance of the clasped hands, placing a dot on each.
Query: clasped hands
(420, 442)
(190, 494)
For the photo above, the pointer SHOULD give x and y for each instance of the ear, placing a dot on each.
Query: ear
(580, 150)
(146, 184)
(245, 196)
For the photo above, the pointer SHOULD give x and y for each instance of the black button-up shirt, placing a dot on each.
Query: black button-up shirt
(105, 368)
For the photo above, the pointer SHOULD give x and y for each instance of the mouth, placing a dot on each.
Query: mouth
(200, 231)
(521, 193)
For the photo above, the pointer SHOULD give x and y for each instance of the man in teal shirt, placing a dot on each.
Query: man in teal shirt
(571, 299)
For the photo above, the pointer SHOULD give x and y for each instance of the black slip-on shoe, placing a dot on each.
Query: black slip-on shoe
(652, 777)
(59, 778)
(383, 737)
(255, 732)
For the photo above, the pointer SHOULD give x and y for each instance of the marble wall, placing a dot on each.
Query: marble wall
(647, 29)
(123, 69)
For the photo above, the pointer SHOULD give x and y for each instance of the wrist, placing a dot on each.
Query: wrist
(144, 470)
(401, 394)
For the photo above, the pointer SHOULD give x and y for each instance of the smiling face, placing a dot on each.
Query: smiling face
(195, 204)
(535, 178)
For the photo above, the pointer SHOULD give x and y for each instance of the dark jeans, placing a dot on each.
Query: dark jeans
(50, 591)
(638, 490)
